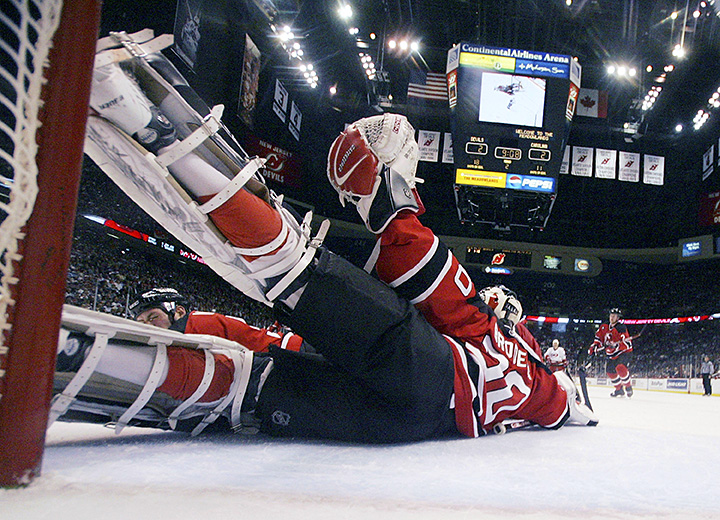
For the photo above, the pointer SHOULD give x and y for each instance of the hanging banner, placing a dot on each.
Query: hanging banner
(708, 162)
(629, 167)
(605, 163)
(249, 81)
(295, 120)
(188, 16)
(582, 161)
(565, 164)
(654, 170)
(428, 145)
(280, 101)
(282, 166)
(447, 153)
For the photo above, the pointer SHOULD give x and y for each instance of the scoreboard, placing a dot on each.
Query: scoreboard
(511, 115)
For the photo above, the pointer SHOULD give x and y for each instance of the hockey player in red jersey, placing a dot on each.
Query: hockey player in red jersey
(417, 354)
(614, 339)
(166, 308)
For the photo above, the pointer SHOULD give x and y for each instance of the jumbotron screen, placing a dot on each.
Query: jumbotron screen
(511, 114)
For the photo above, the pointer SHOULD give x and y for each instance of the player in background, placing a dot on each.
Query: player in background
(555, 357)
(417, 354)
(706, 372)
(168, 309)
(614, 339)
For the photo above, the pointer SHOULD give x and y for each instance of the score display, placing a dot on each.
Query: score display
(511, 115)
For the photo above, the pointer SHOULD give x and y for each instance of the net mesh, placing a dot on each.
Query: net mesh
(26, 31)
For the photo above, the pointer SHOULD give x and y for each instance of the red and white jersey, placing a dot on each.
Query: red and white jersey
(615, 340)
(498, 375)
(238, 330)
(556, 358)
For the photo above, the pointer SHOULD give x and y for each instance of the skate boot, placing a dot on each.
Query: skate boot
(579, 413)
(619, 392)
(629, 391)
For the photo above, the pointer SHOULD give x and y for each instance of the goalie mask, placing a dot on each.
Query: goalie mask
(504, 303)
(166, 299)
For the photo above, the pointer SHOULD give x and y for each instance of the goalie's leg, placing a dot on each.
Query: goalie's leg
(268, 237)
(123, 382)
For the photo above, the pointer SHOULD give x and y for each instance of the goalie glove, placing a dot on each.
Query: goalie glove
(372, 164)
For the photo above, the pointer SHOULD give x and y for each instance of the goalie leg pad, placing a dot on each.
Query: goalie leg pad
(579, 413)
(168, 384)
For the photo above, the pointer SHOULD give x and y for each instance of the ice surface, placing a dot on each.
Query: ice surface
(654, 456)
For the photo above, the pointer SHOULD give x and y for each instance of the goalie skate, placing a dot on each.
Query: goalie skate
(83, 394)
(145, 177)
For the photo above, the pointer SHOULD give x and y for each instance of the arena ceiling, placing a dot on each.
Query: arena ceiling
(631, 33)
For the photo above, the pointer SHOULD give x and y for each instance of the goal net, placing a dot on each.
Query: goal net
(46, 55)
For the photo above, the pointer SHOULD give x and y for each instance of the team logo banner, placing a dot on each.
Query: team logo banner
(605, 163)
(629, 169)
(582, 161)
(654, 170)
(428, 145)
(282, 166)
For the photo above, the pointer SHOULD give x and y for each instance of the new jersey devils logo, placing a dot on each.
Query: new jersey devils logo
(498, 259)
(274, 162)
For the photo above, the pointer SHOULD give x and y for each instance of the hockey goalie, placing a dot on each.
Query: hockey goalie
(413, 353)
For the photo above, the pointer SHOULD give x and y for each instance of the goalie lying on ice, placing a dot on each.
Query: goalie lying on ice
(415, 354)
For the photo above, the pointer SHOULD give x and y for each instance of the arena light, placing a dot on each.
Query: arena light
(345, 11)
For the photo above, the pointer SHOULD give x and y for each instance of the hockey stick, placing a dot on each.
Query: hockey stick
(583, 387)
(581, 360)
(639, 333)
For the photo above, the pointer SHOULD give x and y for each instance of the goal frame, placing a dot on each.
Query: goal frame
(38, 295)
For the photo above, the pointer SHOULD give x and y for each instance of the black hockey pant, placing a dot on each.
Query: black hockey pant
(382, 373)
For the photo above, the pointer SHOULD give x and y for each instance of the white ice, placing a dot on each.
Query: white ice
(656, 455)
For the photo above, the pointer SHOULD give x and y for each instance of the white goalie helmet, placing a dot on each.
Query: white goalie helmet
(504, 303)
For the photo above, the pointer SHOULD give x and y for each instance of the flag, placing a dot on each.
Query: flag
(426, 87)
(592, 103)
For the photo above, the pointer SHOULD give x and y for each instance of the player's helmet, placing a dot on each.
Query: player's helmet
(164, 298)
(504, 303)
(616, 310)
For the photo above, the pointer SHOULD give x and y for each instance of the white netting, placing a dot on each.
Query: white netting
(26, 32)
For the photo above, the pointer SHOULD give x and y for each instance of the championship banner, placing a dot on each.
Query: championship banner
(708, 162)
(654, 170)
(428, 145)
(582, 161)
(565, 164)
(282, 166)
(629, 169)
(605, 163)
(447, 153)
(280, 100)
(249, 81)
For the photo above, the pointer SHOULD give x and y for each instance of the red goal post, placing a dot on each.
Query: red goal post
(46, 58)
